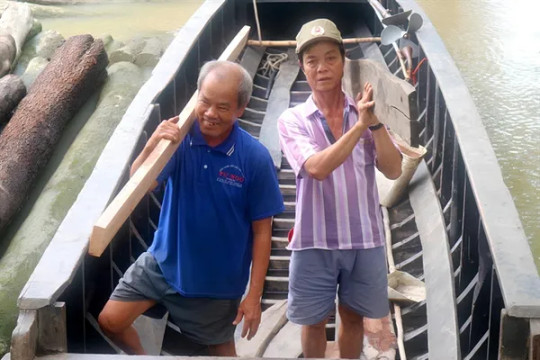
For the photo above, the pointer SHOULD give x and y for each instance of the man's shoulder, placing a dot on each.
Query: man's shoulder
(251, 147)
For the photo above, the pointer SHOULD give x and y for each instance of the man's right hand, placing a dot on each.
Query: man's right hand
(167, 129)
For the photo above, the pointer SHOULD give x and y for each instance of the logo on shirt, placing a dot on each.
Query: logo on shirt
(231, 175)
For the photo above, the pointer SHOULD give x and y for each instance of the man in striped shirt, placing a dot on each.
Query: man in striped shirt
(333, 144)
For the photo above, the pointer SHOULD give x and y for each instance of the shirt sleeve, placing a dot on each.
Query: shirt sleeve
(264, 197)
(296, 143)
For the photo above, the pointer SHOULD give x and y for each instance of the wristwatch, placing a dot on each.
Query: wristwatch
(376, 127)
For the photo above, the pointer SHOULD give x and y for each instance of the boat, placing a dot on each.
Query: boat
(456, 229)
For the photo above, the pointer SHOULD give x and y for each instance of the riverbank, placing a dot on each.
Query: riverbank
(74, 154)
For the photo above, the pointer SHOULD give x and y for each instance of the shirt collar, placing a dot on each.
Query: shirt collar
(310, 108)
(226, 147)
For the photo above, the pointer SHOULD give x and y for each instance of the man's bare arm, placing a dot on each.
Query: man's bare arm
(250, 307)
(167, 129)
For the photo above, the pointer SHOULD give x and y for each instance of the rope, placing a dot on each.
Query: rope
(272, 63)
(413, 75)
(257, 19)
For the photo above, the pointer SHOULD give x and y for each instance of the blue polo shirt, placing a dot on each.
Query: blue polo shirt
(204, 240)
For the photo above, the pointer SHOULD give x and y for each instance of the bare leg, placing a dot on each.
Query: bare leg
(351, 333)
(225, 349)
(116, 321)
(314, 340)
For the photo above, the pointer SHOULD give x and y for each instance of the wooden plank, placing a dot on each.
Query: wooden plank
(52, 331)
(370, 50)
(513, 337)
(443, 330)
(395, 99)
(25, 335)
(252, 58)
(151, 332)
(278, 102)
(534, 340)
(286, 343)
(272, 320)
(127, 199)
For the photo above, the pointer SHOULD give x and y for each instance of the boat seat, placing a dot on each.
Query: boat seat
(443, 331)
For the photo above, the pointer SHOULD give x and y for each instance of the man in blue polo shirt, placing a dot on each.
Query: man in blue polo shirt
(216, 218)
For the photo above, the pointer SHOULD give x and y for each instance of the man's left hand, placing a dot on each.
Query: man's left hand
(365, 104)
(250, 310)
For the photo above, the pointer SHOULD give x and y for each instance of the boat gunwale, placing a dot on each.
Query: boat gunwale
(512, 256)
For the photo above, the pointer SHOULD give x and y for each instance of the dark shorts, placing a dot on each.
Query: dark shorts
(205, 321)
(359, 277)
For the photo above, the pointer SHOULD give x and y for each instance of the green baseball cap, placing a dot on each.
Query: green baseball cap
(319, 29)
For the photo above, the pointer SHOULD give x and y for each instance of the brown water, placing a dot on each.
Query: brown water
(495, 44)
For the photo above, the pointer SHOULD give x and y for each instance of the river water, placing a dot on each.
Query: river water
(495, 44)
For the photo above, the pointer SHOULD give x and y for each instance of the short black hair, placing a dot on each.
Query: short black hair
(301, 53)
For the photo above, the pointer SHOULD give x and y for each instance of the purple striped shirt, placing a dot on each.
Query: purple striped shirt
(341, 211)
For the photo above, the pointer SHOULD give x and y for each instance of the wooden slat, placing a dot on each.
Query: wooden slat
(52, 329)
(277, 103)
(123, 204)
(24, 339)
(370, 50)
(252, 58)
(443, 331)
(395, 99)
(286, 344)
(534, 340)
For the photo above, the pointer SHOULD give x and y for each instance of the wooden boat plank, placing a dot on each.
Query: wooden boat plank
(252, 58)
(286, 343)
(272, 320)
(25, 335)
(443, 341)
(520, 285)
(395, 99)
(277, 103)
(370, 50)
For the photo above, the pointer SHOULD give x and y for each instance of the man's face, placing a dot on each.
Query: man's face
(217, 106)
(323, 66)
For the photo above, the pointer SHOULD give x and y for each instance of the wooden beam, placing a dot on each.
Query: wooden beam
(25, 335)
(443, 329)
(127, 199)
(278, 102)
(395, 99)
(289, 43)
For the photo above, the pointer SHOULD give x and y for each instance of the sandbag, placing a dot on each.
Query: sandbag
(76, 70)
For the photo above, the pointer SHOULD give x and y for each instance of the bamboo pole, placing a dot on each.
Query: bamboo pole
(289, 43)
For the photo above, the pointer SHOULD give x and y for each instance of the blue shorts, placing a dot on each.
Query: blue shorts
(358, 276)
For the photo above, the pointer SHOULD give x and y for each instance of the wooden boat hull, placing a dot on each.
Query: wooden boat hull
(452, 231)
